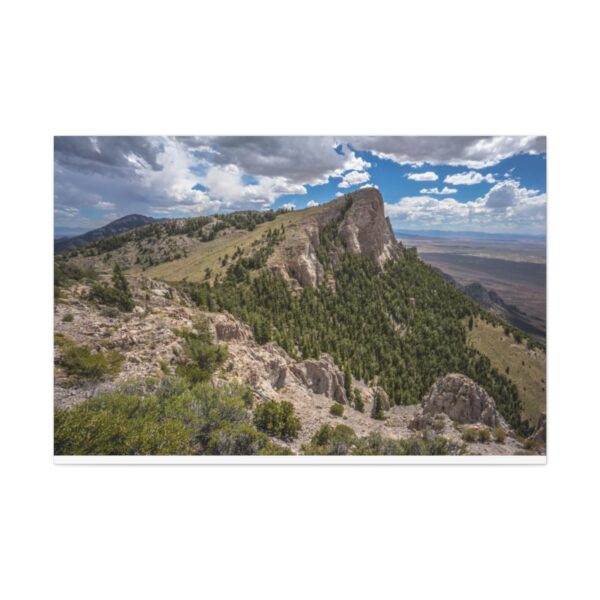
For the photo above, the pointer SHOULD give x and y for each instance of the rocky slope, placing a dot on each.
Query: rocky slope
(151, 348)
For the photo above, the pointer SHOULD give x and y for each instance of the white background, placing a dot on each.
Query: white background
(311, 67)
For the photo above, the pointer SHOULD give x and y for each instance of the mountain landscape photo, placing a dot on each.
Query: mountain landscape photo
(300, 296)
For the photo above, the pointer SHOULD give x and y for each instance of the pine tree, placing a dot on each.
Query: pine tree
(378, 411)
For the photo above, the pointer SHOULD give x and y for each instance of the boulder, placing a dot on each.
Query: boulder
(462, 400)
(228, 329)
(322, 377)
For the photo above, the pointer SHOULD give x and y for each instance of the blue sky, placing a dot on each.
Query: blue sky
(492, 184)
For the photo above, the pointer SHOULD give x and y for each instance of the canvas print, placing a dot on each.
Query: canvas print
(294, 297)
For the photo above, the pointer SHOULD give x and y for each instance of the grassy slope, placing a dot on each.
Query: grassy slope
(504, 352)
(209, 254)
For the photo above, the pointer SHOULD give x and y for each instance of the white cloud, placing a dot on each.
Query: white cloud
(354, 178)
(369, 185)
(506, 207)
(312, 203)
(445, 191)
(288, 206)
(425, 176)
(469, 178)
(338, 194)
(102, 205)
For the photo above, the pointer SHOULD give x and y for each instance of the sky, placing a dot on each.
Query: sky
(493, 184)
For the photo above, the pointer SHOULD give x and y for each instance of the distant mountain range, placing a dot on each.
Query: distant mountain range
(437, 233)
(119, 226)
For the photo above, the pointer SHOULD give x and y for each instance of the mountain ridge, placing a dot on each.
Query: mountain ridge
(119, 225)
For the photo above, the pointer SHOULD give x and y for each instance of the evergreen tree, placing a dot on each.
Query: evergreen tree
(378, 411)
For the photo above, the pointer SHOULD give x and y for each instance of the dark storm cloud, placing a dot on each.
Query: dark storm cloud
(107, 154)
(472, 151)
(298, 159)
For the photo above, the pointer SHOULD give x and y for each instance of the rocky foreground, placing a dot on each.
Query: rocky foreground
(148, 340)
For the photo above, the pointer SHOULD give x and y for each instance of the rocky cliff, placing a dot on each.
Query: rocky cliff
(359, 224)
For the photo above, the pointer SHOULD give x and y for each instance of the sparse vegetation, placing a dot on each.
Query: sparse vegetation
(80, 363)
(476, 434)
(202, 356)
(337, 410)
(526, 368)
(119, 295)
(499, 435)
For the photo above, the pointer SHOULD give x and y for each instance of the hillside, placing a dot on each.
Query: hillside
(323, 318)
(119, 226)
(526, 366)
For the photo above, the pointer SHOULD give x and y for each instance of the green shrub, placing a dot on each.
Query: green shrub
(470, 434)
(66, 273)
(277, 418)
(499, 435)
(338, 440)
(438, 423)
(121, 424)
(476, 434)
(81, 363)
(104, 294)
(119, 295)
(237, 440)
(417, 445)
(484, 435)
(68, 318)
(167, 417)
(202, 354)
(337, 410)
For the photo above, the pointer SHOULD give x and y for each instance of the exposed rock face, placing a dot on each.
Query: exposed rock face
(363, 229)
(462, 400)
(226, 329)
(366, 230)
(322, 377)
(297, 259)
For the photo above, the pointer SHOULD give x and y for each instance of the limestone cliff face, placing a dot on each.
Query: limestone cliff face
(362, 228)
(366, 230)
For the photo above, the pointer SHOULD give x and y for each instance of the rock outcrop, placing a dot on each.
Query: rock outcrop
(462, 400)
(362, 228)
(366, 230)
(322, 377)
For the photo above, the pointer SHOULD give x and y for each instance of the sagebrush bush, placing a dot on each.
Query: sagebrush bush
(337, 410)
(417, 445)
(277, 418)
(68, 318)
(470, 434)
(476, 434)
(499, 435)
(81, 363)
(484, 435)
(328, 440)
(166, 417)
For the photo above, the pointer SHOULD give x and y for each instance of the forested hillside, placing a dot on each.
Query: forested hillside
(316, 309)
